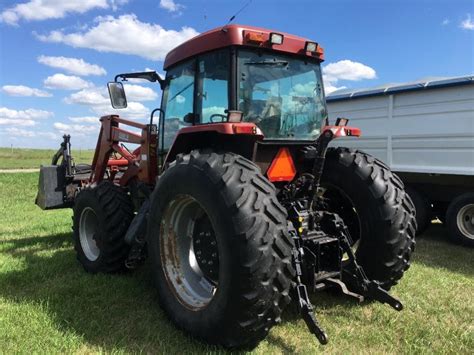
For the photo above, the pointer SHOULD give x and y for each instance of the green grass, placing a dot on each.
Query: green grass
(21, 158)
(48, 304)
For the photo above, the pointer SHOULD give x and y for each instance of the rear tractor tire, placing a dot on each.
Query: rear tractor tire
(101, 217)
(378, 212)
(219, 248)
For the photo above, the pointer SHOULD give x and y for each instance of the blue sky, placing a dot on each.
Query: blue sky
(56, 56)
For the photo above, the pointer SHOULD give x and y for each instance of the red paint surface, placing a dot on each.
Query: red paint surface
(224, 128)
(234, 35)
(343, 131)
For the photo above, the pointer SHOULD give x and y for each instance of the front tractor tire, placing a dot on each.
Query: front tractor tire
(219, 248)
(101, 217)
(378, 212)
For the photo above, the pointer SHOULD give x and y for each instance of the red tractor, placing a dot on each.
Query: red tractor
(233, 192)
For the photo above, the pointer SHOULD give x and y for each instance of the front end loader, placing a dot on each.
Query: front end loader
(234, 193)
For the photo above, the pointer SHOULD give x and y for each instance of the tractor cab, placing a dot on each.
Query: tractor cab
(241, 74)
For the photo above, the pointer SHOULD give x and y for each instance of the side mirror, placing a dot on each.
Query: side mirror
(117, 94)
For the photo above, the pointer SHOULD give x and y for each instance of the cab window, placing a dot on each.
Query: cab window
(212, 87)
(197, 93)
(178, 99)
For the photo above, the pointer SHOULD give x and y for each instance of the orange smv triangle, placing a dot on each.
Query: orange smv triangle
(282, 167)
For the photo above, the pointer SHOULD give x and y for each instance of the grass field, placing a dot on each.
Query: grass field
(48, 304)
(21, 158)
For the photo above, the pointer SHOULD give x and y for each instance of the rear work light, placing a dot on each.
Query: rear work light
(311, 47)
(282, 167)
(276, 38)
(341, 121)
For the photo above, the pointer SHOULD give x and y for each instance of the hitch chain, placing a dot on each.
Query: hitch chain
(305, 308)
(368, 288)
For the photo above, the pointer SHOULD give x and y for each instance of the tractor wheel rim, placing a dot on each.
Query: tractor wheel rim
(465, 221)
(88, 225)
(190, 276)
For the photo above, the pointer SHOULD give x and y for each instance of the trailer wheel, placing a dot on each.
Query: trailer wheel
(101, 216)
(423, 209)
(378, 212)
(460, 219)
(219, 248)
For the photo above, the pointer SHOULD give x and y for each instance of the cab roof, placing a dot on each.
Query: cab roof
(239, 35)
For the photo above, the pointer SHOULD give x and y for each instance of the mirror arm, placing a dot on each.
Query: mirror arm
(152, 76)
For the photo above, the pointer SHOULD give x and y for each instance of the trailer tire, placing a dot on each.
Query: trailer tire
(241, 299)
(378, 212)
(101, 217)
(423, 209)
(460, 219)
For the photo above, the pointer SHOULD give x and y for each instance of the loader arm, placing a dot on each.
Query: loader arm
(143, 165)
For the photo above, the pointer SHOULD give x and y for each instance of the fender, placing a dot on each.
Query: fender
(238, 137)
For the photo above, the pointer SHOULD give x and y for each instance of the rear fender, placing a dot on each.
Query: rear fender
(239, 138)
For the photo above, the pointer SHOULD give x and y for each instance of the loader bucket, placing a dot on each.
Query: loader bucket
(51, 187)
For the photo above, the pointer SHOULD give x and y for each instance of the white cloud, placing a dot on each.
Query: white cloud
(75, 129)
(72, 65)
(28, 133)
(115, 4)
(345, 70)
(84, 119)
(90, 97)
(22, 117)
(467, 24)
(21, 90)
(28, 114)
(139, 93)
(37, 10)
(348, 70)
(15, 122)
(134, 110)
(126, 35)
(330, 87)
(66, 82)
(445, 22)
(170, 5)
(98, 101)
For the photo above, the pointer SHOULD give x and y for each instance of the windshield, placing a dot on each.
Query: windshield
(283, 95)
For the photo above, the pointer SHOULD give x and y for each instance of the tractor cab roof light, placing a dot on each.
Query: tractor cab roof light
(276, 38)
(254, 37)
(341, 121)
(311, 47)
